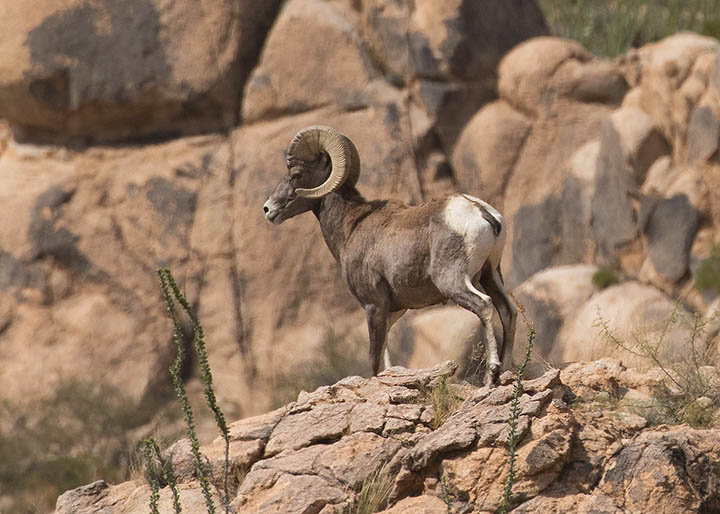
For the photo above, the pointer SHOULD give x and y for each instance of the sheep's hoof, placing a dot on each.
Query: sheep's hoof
(491, 374)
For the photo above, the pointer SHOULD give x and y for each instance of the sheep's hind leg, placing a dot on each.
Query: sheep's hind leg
(491, 281)
(467, 296)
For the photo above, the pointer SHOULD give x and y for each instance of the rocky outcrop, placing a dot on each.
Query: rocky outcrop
(317, 454)
(630, 178)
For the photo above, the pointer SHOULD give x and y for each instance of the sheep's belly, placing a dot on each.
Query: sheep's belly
(415, 296)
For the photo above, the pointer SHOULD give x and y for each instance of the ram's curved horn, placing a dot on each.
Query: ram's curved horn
(345, 161)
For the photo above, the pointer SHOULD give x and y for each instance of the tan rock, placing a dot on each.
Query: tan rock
(92, 71)
(488, 149)
(635, 315)
(672, 75)
(418, 505)
(524, 73)
(442, 333)
(552, 299)
(454, 39)
(308, 31)
(595, 80)
(81, 236)
(579, 459)
(448, 51)
(641, 141)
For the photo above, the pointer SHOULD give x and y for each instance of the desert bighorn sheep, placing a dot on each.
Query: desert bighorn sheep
(392, 256)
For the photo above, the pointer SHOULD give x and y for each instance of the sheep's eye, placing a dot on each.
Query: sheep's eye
(294, 178)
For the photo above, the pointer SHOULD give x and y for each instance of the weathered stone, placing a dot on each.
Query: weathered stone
(641, 141)
(669, 83)
(633, 313)
(488, 149)
(551, 298)
(589, 81)
(456, 39)
(524, 73)
(441, 333)
(581, 459)
(642, 474)
(299, 430)
(418, 505)
(293, 494)
(258, 427)
(577, 240)
(671, 230)
(614, 220)
(101, 71)
(703, 134)
(411, 378)
(367, 417)
(308, 31)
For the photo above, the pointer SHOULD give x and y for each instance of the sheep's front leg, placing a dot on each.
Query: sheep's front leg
(378, 325)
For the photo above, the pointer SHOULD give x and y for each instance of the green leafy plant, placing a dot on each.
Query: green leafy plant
(512, 439)
(159, 472)
(171, 293)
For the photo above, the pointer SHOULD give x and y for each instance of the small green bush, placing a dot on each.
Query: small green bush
(708, 274)
(604, 277)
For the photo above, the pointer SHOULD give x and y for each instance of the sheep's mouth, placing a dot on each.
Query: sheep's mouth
(273, 217)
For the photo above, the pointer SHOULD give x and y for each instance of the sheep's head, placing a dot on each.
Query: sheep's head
(319, 160)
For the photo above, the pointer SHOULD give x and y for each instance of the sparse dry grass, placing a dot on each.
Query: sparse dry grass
(374, 492)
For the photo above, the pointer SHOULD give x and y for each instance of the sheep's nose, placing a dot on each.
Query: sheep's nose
(265, 209)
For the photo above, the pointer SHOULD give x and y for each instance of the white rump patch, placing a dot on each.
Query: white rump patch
(462, 214)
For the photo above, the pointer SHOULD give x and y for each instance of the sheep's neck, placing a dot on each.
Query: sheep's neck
(338, 214)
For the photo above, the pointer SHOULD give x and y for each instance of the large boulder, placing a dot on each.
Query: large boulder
(287, 80)
(104, 71)
(629, 321)
(551, 299)
(488, 148)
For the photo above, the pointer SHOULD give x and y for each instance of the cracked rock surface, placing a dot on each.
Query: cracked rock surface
(315, 455)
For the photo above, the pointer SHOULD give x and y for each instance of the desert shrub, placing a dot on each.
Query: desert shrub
(611, 27)
(689, 394)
